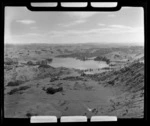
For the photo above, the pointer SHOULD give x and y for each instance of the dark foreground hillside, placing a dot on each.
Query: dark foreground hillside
(129, 101)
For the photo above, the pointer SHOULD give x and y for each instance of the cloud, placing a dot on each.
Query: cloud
(34, 27)
(79, 17)
(119, 26)
(110, 29)
(101, 24)
(108, 33)
(122, 28)
(34, 34)
(73, 23)
(30, 34)
(27, 22)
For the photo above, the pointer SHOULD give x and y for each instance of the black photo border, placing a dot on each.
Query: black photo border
(131, 3)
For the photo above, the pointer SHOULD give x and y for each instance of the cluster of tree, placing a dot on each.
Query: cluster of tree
(72, 78)
(9, 61)
(41, 62)
(101, 58)
(106, 68)
(30, 63)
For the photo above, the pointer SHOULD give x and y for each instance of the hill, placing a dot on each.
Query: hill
(128, 84)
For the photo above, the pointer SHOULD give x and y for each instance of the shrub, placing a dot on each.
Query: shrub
(83, 74)
(54, 79)
(23, 88)
(30, 63)
(44, 66)
(49, 60)
(8, 67)
(14, 83)
(51, 90)
(15, 90)
(111, 82)
(9, 61)
(106, 68)
(42, 62)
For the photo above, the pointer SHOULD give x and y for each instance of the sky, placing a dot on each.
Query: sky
(23, 26)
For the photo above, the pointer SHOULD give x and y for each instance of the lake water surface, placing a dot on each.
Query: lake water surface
(78, 64)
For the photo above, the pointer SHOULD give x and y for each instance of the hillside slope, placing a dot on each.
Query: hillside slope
(129, 86)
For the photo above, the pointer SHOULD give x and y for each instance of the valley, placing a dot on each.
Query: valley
(73, 79)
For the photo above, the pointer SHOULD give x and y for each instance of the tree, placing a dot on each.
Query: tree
(30, 63)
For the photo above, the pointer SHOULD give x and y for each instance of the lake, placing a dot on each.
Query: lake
(78, 64)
